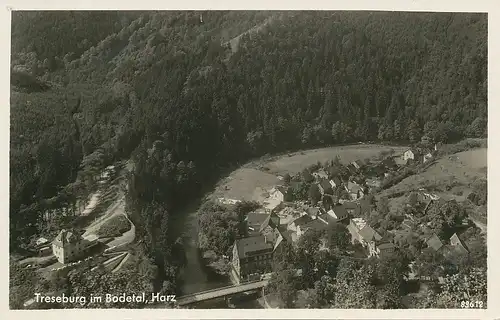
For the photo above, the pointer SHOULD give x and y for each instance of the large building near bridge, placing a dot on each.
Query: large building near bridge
(252, 257)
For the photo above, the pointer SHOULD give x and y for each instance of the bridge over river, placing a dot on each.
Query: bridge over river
(220, 292)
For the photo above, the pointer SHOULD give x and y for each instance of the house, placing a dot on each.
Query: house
(252, 257)
(283, 236)
(385, 249)
(325, 187)
(427, 157)
(335, 182)
(410, 154)
(269, 227)
(327, 218)
(315, 224)
(355, 190)
(299, 222)
(334, 170)
(352, 168)
(254, 221)
(434, 242)
(328, 200)
(313, 212)
(278, 193)
(68, 246)
(358, 164)
(41, 241)
(458, 244)
(353, 208)
(319, 175)
(338, 212)
(362, 232)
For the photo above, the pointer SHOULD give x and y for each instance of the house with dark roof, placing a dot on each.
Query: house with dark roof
(361, 232)
(299, 222)
(338, 212)
(328, 200)
(384, 249)
(369, 238)
(328, 219)
(254, 221)
(355, 190)
(358, 164)
(434, 243)
(335, 182)
(325, 187)
(269, 228)
(252, 257)
(272, 221)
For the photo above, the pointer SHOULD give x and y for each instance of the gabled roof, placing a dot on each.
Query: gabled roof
(340, 212)
(313, 211)
(434, 242)
(455, 241)
(283, 236)
(354, 187)
(281, 189)
(325, 184)
(253, 245)
(369, 234)
(358, 163)
(272, 221)
(65, 237)
(302, 220)
(256, 218)
(336, 180)
(328, 218)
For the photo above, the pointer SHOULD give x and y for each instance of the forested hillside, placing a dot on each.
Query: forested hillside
(165, 89)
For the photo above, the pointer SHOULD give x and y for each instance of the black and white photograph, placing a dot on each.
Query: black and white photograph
(248, 159)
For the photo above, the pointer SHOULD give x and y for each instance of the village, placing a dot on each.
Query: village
(347, 195)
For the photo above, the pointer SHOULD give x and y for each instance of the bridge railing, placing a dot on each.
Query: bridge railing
(219, 289)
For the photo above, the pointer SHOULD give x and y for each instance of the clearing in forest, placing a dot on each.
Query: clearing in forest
(254, 179)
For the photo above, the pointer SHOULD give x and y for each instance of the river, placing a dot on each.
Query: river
(196, 276)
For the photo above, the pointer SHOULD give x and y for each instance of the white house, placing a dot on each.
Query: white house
(410, 154)
(427, 157)
(278, 193)
(69, 246)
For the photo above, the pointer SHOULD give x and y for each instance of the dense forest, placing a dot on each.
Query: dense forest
(167, 90)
